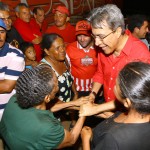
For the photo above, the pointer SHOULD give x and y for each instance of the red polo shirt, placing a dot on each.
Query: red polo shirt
(109, 66)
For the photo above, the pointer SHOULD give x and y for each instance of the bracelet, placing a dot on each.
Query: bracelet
(94, 93)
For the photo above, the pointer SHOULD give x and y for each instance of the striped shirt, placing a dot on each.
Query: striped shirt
(11, 66)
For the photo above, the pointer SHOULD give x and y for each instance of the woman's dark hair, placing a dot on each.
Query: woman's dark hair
(33, 85)
(25, 45)
(134, 83)
(48, 40)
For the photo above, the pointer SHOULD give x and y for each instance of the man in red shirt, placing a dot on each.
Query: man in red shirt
(61, 25)
(23, 27)
(38, 23)
(118, 49)
(83, 58)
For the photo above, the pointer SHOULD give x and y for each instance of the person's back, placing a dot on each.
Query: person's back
(121, 136)
(28, 123)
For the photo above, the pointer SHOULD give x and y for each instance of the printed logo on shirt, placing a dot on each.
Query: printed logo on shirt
(86, 61)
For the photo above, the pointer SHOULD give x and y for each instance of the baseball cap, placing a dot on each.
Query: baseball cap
(83, 27)
(2, 24)
(61, 9)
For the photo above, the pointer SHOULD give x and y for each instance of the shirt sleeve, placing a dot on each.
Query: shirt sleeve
(15, 66)
(53, 135)
(98, 76)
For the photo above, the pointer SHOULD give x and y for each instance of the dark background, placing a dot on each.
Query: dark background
(136, 6)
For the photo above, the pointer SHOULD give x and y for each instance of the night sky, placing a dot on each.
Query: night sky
(136, 6)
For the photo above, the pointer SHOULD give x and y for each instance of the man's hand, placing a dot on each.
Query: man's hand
(88, 109)
(37, 39)
(81, 101)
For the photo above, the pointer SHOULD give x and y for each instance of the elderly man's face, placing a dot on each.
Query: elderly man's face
(24, 14)
(60, 19)
(2, 37)
(5, 16)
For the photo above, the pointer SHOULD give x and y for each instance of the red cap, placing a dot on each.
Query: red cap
(61, 9)
(83, 27)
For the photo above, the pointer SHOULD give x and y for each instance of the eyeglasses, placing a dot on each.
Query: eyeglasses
(102, 38)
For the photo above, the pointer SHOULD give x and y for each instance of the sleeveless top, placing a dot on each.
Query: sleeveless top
(65, 82)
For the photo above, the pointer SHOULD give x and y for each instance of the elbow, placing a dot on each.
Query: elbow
(8, 89)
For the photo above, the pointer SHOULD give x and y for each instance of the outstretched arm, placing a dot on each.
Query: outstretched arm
(72, 136)
(86, 135)
(93, 109)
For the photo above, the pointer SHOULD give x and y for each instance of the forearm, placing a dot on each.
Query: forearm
(6, 86)
(85, 144)
(72, 136)
(96, 87)
(61, 105)
(77, 129)
(104, 107)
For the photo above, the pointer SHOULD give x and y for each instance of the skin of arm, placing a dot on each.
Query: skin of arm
(61, 105)
(6, 86)
(92, 109)
(86, 135)
(96, 87)
(71, 137)
(74, 91)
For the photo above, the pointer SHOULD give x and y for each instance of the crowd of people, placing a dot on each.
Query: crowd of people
(99, 68)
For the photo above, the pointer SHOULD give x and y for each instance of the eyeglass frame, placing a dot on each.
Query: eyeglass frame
(98, 36)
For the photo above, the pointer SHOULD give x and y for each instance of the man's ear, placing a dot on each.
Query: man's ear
(136, 30)
(119, 31)
(46, 51)
(68, 19)
(34, 15)
(17, 14)
(127, 103)
(47, 98)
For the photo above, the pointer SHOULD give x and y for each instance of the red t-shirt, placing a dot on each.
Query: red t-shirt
(109, 66)
(36, 28)
(27, 34)
(68, 33)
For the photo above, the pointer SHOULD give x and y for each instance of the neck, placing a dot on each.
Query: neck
(89, 46)
(62, 27)
(133, 117)
(120, 44)
(41, 106)
(39, 23)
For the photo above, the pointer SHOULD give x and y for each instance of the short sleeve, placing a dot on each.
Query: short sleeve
(52, 136)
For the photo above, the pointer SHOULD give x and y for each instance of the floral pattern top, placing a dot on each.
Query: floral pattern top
(65, 82)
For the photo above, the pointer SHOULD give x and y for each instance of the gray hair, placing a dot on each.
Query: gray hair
(109, 13)
(21, 5)
(4, 7)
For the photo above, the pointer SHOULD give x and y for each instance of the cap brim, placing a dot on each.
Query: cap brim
(83, 32)
(3, 27)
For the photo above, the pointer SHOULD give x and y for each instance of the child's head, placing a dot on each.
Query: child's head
(28, 50)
